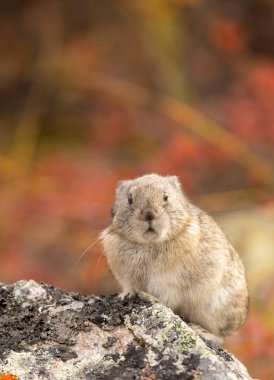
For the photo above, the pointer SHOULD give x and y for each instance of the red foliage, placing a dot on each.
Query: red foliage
(255, 346)
(229, 36)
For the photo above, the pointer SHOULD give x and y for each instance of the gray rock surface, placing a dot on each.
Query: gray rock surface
(48, 333)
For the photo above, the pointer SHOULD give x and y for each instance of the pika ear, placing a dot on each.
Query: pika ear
(121, 186)
(174, 181)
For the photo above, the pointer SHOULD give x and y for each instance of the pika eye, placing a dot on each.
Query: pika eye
(130, 199)
(165, 197)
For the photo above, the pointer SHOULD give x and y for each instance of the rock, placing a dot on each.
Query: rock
(48, 333)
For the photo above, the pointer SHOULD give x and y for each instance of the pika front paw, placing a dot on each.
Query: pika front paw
(148, 297)
(124, 295)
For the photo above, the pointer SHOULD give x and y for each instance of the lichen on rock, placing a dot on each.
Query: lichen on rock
(48, 333)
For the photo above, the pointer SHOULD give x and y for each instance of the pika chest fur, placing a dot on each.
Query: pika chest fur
(160, 243)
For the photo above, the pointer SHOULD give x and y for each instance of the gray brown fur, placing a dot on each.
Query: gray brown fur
(184, 260)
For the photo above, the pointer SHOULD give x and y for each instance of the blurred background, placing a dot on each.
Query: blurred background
(95, 91)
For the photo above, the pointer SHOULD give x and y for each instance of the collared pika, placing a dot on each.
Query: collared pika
(161, 244)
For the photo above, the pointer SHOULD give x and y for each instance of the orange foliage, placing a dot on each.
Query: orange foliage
(8, 377)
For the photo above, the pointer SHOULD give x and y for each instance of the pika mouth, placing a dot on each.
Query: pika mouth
(150, 230)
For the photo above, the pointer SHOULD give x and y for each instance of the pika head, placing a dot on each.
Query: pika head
(149, 209)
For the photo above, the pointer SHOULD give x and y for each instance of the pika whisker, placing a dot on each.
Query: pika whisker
(98, 262)
(84, 252)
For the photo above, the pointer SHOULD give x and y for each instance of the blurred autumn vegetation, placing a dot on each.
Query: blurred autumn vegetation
(95, 91)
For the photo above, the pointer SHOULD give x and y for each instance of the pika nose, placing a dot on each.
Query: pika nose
(149, 216)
